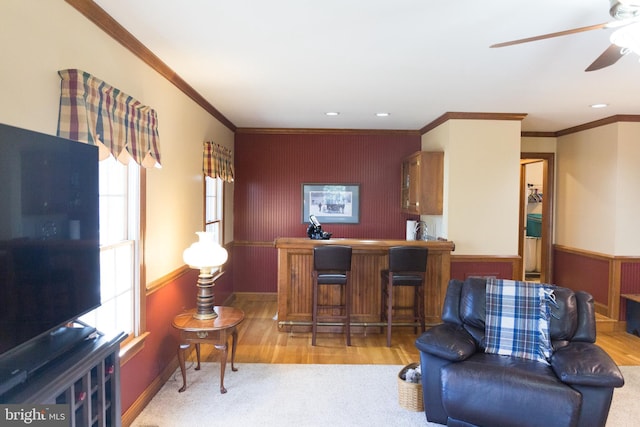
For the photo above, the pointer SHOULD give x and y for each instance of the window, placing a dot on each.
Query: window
(213, 202)
(119, 231)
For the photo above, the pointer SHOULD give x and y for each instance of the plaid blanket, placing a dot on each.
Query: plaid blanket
(517, 319)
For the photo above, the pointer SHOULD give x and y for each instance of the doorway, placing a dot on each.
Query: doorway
(536, 218)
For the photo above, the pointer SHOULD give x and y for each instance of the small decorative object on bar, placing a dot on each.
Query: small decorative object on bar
(205, 255)
(314, 231)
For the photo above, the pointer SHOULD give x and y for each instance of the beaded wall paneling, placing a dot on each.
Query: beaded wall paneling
(270, 168)
(464, 266)
(629, 282)
(630, 277)
(255, 269)
(582, 271)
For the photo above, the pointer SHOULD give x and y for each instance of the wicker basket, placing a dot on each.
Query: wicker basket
(410, 394)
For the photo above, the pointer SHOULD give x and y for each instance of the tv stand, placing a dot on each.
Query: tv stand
(86, 377)
(26, 360)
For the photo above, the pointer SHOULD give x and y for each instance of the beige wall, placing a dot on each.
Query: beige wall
(37, 39)
(627, 240)
(481, 185)
(538, 144)
(597, 186)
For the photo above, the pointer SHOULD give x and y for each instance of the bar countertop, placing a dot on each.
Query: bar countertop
(304, 242)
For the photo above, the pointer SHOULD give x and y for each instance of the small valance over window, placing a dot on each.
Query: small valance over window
(217, 162)
(96, 113)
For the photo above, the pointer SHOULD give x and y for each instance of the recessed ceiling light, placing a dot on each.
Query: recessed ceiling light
(599, 105)
(332, 113)
(383, 114)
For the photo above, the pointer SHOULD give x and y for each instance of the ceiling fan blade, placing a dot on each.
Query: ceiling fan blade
(552, 35)
(609, 57)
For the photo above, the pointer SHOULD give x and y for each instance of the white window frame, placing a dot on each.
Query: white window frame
(126, 202)
(214, 209)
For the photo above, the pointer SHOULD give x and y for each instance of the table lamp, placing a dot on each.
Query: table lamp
(205, 255)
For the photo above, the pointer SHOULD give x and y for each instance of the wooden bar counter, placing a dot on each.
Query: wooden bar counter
(295, 264)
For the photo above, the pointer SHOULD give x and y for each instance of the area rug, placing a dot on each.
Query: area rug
(310, 396)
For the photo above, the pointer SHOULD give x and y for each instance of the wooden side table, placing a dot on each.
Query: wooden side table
(211, 331)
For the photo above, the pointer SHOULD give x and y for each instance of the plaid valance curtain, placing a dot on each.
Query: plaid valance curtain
(96, 113)
(217, 162)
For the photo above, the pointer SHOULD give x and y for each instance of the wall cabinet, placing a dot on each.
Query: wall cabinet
(87, 379)
(422, 176)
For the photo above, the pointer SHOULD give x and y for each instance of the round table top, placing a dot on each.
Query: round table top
(228, 317)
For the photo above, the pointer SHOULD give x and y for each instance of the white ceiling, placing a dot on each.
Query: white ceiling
(284, 63)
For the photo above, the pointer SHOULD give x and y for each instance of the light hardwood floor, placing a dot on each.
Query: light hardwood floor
(260, 341)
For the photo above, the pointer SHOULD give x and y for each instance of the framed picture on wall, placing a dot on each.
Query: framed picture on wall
(331, 203)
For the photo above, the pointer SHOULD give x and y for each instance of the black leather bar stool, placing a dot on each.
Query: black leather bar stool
(407, 267)
(331, 266)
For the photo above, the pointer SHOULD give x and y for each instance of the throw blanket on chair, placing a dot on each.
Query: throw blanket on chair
(517, 319)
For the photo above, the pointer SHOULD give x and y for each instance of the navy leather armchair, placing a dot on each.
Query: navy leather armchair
(464, 386)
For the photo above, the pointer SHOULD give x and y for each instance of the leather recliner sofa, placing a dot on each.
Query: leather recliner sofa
(464, 386)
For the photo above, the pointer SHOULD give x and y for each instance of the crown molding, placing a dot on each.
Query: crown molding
(538, 134)
(471, 116)
(311, 131)
(597, 123)
(104, 21)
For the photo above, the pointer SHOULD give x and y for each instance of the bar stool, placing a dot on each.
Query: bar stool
(331, 266)
(407, 266)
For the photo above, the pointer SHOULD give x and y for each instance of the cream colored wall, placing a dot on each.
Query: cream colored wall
(482, 166)
(38, 38)
(627, 240)
(587, 189)
(598, 180)
(538, 144)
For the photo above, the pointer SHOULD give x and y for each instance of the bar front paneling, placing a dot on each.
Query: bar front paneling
(295, 264)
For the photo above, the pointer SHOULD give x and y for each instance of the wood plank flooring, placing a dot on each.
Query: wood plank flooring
(260, 341)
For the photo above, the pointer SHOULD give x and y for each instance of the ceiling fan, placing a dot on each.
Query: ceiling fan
(626, 15)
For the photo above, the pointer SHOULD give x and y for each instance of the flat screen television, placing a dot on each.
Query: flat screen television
(49, 243)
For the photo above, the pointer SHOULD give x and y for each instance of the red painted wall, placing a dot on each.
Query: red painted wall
(270, 169)
(629, 283)
(582, 273)
(161, 345)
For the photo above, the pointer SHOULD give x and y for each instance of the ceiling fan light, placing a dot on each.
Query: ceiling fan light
(627, 37)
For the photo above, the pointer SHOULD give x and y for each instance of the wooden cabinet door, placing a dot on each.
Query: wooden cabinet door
(422, 177)
(411, 184)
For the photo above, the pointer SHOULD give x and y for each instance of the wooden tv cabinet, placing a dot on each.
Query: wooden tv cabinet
(86, 377)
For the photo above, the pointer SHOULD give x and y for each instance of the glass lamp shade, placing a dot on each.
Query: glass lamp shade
(627, 37)
(205, 254)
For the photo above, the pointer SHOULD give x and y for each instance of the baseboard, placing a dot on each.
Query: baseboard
(145, 397)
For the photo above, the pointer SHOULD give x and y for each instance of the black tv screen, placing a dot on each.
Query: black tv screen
(49, 234)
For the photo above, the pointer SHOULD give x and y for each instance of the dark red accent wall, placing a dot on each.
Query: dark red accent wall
(270, 169)
(629, 283)
(499, 270)
(582, 273)
(630, 277)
